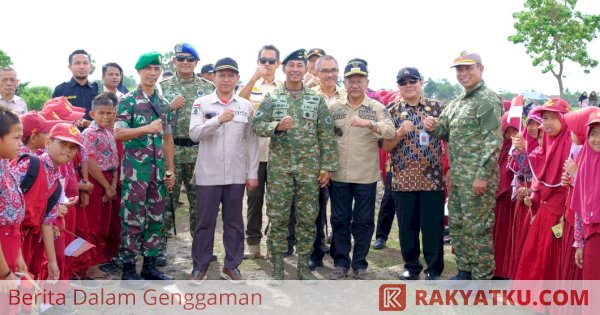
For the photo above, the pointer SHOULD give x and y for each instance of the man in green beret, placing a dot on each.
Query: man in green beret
(181, 90)
(302, 154)
(147, 169)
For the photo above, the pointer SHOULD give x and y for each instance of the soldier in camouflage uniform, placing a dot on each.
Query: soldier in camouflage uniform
(302, 155)
(471, 124)
(142, 125)
(181, 90)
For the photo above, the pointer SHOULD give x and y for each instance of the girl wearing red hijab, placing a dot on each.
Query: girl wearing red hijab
(504, 204)
(539, 259)
(577, 123)
(519, 164)
(586, 203)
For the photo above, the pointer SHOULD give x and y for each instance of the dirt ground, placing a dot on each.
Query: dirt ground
(383, 264)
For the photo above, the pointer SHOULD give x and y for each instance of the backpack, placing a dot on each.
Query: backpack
(38, 198)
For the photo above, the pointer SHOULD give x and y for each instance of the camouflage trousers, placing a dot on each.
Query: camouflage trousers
(142, 208)
(471, 228)
(282, 189)
(183, 174)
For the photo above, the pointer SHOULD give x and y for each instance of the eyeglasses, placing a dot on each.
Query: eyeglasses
(328, 71)
(264, 60)
(188, 58)
(409, 81)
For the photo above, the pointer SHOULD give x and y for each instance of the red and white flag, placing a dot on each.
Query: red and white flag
(516, 111)
(77, 247)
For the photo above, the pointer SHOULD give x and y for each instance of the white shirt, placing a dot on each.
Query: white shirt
(228, 153)
(17, 104)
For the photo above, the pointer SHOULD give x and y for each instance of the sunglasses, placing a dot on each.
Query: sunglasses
(409, 81)
(264, 60)
(188, 58)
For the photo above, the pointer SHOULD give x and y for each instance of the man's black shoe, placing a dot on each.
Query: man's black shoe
(379, 243)
(313, 265)
(432, 276)
(407, 275)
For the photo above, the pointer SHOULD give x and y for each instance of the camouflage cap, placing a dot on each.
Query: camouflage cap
(316, 52)
(466, 58)
(299, 54)
(149, 58)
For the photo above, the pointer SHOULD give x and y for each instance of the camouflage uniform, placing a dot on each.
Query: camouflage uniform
(295, 159)
(185, 154)
(142, 173)
(471, 124)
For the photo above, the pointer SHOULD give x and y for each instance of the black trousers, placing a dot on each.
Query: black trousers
(255, 203)
(421, 211)
(387, 210)
(352, 215)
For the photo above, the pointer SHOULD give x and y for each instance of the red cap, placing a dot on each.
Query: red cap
(67, 132)
(59, 108)
(556, 105)
(594, 118)
(577, 121)
(33, 122)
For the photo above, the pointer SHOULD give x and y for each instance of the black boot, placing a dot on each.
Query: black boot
(129, 272)
(161, 259)
(133, 280)
(149, 271)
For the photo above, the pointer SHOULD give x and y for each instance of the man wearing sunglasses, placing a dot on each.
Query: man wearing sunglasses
(262, 82)
(471, 122)
(181, 90)
(418, 181)
(360, 122)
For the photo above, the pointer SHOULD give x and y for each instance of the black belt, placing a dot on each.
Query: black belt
(185, 142)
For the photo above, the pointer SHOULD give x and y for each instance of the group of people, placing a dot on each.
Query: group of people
(586, 100)
(520, 198)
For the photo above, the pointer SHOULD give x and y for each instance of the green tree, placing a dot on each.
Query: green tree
(442, 90)
(5, 60)
(167, 62)
(553, 32)
(35, 96)
(129, 82)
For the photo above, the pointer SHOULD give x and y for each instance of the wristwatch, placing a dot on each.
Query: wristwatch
(373, 124)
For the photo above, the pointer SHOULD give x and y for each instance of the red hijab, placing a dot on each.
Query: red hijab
(585, 193)
(577, 121)
(548, 160)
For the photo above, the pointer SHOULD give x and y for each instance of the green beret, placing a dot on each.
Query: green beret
(299, 54)
(149, 58)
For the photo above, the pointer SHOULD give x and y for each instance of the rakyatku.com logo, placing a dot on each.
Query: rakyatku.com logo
(392, 297)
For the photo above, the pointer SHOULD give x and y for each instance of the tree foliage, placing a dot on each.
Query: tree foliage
(35, 96)
(553, 32)
(167, 62)
(442, 90)
(5, 60)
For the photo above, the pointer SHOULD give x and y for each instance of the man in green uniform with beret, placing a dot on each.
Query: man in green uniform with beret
(147, 168)
(181, 90)
(302, 155)
(471, 125)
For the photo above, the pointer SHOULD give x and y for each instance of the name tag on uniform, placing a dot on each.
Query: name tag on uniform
(423, 137)
(240, 115)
